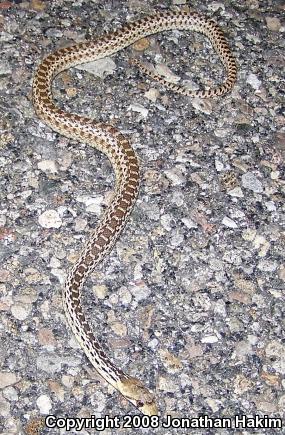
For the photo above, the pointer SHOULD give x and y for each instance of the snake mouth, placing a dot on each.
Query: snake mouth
(147, 408)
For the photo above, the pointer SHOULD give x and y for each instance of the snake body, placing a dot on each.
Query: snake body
(124, 161)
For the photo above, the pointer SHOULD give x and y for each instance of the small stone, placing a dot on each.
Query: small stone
(7, 378)
(249, 234)
(242, 350)
(229, 222)
(99, 68)
(26, 295)
(119, 328)
(281, 273)
(267, 265)
(50, 219)
(240, 297)
(44, 404)
(221, 132)
(71, 92)
(21, 311)
(270, 205)
(152, 94)
(93, 204)
(241, 384)
(172, 363)
(175, 175)
(124, 296)
(265, 407)
(4, 275)
(166, 72)
(273, 23)
(80, 224)
(136, 107)
(245, 285)
(202, 105)
(249, 181)
(47, 166)
(11, 394)
(140, 291)
(38, 5)
(100, 291)
(253, 81)
(271, 379)
(179, 2)
(193, 350)
(68, 381)
(57, 389)
(4, 406)
(209, 339)
(46, 337)
(168, 385)
(49, 363)
(236, 192)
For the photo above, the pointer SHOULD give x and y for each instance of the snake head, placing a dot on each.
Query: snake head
(138, 395)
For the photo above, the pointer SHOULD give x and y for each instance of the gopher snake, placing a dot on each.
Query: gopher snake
(124, 161)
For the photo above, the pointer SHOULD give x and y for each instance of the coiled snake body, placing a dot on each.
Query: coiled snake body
(124, 161)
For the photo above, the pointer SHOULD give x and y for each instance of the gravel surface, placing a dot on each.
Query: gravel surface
(191, 299)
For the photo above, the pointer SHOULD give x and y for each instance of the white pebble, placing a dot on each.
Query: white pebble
(139, 108)
(50, 219)
(100, 67)
(166, 72)
(202, 105)
(251, 182)
(44, 404)
(209, 339)
(20, 311)
(253, 81)
(236, 192)
(7, 378)
(152, 94)
(229, 222)
(47, 166)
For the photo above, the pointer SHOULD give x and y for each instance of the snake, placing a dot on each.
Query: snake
(110, 141)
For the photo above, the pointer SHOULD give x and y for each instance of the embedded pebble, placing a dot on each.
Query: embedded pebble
(267, 265)
(119, 328)
(49, 363)
(209, 339)
(273, 23)
(236, 192)
(50, 219)
(7, 378)
(251, 182)
(176, 176)
(135, 107)
(99, 68)
(229, 222)
(100, 291)
(4, 406)
(47, 166)
(44, 404)
(253, 81)
(203, 106)
(166, 72)
(140, 291)
(21, 311)
(152, 94)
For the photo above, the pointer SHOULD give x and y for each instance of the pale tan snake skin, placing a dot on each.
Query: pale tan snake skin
(124, 161)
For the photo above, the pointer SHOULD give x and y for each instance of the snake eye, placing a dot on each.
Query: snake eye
(140, 404)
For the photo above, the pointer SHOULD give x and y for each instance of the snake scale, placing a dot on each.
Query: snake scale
(124, 161)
